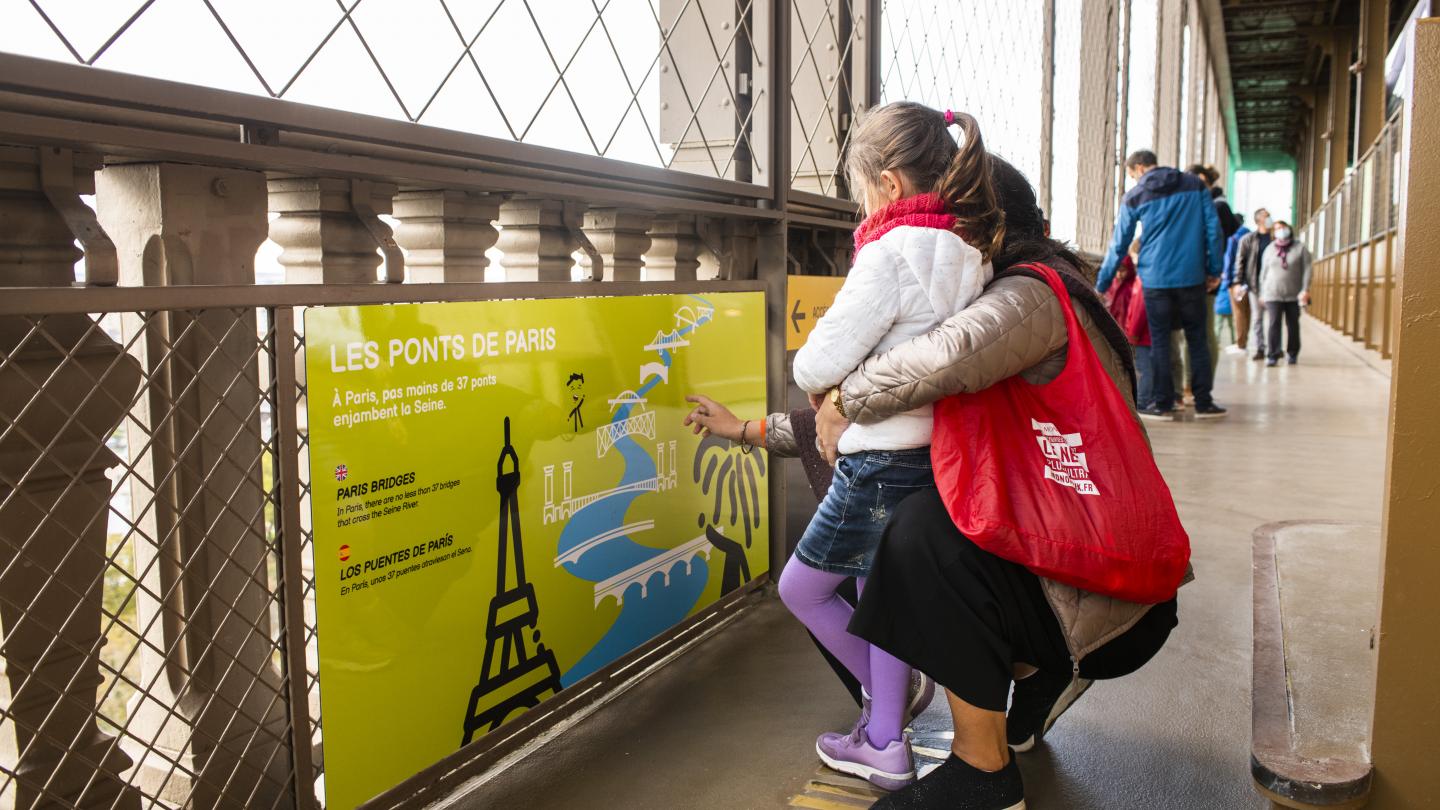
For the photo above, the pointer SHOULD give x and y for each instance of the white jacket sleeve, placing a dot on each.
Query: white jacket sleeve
(863, 312)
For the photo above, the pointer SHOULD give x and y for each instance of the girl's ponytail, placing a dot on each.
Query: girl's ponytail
(968, 191)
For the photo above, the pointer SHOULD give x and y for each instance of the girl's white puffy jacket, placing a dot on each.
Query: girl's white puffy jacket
(901, 286)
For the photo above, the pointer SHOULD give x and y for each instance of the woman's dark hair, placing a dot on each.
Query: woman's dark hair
(915, 139)
(1025, 239)
(1206, 173)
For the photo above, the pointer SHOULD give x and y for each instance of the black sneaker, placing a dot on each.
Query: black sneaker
(1038, 702)
(1272, 362)
(957, 785)
(1211, 411)
(1157, 413)
(1293, 360)
(1258, 356)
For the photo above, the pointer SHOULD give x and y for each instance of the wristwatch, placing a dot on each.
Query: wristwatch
(839, 402)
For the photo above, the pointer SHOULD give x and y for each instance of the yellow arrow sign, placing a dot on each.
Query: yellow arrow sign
(806, 299)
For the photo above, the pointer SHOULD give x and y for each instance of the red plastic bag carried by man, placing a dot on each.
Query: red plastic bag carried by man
(1059, 478)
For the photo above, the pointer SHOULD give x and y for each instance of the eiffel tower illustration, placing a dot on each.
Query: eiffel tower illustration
(512, 678)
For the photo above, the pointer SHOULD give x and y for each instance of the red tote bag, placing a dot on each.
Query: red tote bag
(1059, 478)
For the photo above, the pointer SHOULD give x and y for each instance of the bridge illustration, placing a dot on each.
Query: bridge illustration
(654, 370)
(667, 340)
(693, 317)
(574, 554)
(663, 564)
(641, 424)
(626, 398)
(561, 509)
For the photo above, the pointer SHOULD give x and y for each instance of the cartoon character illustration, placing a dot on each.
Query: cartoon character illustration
(722, 469)
(576, 384)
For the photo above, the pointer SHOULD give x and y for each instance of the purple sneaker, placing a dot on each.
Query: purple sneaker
(922, 691)
(889, 768)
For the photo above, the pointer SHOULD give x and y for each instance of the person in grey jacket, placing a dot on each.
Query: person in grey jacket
(1284, 285)
(1247, 274)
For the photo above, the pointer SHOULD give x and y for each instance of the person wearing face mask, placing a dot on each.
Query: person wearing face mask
(1284, 285)
(1248, 252)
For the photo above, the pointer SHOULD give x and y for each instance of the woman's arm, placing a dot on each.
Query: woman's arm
(780, 436)
(772, 433)
(1015, 324)
(1305, 277)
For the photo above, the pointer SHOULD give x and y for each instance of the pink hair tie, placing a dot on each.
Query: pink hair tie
(949, 118)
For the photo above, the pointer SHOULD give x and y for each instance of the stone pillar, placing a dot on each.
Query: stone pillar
(621, 237)
(446, 233)
(328, 231)
(60, 399)
(674, 249)
(196, 443)
(536, 240)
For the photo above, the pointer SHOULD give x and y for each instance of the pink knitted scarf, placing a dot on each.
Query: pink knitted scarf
(921, 211)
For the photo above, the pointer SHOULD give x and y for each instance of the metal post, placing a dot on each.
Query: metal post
(1405, 702)
(1122, 134)
(771, 265)
(292, 579)
(1047, 106)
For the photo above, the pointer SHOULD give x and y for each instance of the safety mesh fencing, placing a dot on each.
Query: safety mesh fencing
(660, 82)
(828, 89)
(143, 595)
(984, 57)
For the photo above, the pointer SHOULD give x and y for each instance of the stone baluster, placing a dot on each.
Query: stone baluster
(536, 240)
(621, 237)
(727, 248)
(674, 249)
(196, 445)
(329, 230)
(63, 391)
(446, 233)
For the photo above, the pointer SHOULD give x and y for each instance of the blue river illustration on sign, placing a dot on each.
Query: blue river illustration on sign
(660, 588)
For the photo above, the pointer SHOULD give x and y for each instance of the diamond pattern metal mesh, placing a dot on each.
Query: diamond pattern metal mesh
(979, 56)
(142, 593)
(827, 89)
(660, 82)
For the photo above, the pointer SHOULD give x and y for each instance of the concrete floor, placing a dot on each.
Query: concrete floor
(732, 723)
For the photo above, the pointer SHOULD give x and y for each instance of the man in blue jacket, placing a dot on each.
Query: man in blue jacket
(1180, 261)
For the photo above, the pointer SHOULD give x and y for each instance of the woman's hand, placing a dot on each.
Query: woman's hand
(1305, 298)
(829, 424)
(713, 418)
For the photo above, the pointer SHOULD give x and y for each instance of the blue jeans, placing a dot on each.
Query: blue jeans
(1144, 378)
(845, 532)
(1185, 307)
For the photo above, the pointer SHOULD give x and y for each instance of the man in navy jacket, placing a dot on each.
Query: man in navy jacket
(1181, 250)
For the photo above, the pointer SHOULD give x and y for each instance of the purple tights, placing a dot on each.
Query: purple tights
(810, 595)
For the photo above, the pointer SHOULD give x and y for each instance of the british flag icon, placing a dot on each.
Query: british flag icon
(341, 472)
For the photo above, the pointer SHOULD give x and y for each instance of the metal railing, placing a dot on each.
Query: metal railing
(1352, 237)
(168, 497)
(157, 614)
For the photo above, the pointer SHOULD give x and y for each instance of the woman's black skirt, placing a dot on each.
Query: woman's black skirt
(965, 617)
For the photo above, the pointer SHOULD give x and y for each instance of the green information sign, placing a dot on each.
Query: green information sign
(505, 501)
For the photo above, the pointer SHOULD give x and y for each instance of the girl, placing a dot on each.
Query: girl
(922, 254)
